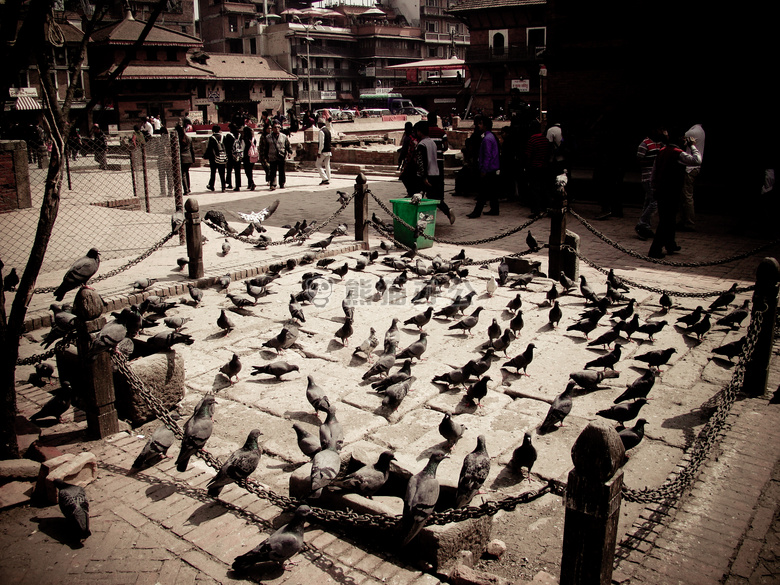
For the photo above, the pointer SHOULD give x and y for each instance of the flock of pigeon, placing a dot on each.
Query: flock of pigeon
(462, 317)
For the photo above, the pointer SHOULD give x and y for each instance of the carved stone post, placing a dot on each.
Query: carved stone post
(194, 243)
(97, 372)
(764, 297)
(145, 168)
(557, 234)
(178, 189)
(361, 209)
(593, 496)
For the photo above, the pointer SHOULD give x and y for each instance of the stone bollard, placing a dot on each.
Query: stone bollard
(97, 375)
(593, 496)
(194, 243)
(764, 295)
(558, 259)
(178, 187)
(361, 209)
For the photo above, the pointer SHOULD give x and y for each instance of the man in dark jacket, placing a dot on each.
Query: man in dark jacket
(217, 157)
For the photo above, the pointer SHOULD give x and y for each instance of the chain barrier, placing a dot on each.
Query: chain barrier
(453, 242)
(673, 293)
(64, 342)
(639, 256)
(710, 434)
(115, 271)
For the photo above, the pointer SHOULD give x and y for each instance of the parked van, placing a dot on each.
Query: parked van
(394, 102)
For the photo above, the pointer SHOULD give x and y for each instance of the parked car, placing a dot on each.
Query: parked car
(336, 115)
(374, 113)
(415, 111)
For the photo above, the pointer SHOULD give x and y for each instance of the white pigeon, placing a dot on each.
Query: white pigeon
(491, 286)
(259, 216)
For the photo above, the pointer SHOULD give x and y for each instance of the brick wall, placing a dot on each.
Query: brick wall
(14, 177)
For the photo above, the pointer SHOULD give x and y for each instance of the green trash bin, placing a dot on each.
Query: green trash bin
(422, 214)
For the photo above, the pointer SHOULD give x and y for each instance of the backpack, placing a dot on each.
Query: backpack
(220, 156)
(254, 156)
(238, 149)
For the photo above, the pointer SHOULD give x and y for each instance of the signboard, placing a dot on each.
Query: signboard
(328, 95)
(523, 85)
(370, 71)
(23, 92)
(449, 100)
(113, 128)
(201, 101)
(215, 96)
(195, 116)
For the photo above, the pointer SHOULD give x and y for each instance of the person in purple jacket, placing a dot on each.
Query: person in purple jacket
(488, 168)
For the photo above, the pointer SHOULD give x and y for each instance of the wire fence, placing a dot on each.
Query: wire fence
(116, 197)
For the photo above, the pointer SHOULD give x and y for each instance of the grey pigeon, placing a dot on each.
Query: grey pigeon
(143, 283)
(559, 409)
(514, 304)
(566, 282)
(176, 323)
(247, 231)
(400, 280)
(195, 293)
(615, 296)
(368, 345)
(477, 391)
(607, 360)
(639, 388)
(256, 292)
(348, 307)
(57, 404)
(75, 507)
(523, 360)
(369, 479)
(240, 302)
(517, 324)
(232, 368)
(608, 338)
(656, 358)
(692, 318)
(395, 393)
(469, 322)
(701, 327)
(425, 293)
(555, 314)
(494, 330)
(380, 286)
(276, 369)
(651, 328)
(615, 282)
(107, 338)
(341, 271)
(666, 302)
(307, 443)
(282, 545)
(239, 466)
(197, 431)
(633, 436)
(590, 380)
(482, 365)
(401, 375)
(456, 376)
(585, 326)
(10, 281)
(623, 411)
(44, 370)
(392, 335)
(724, 300)
(296, 311)
(79, 274)
(155, 304)
(224, 322)
(736, 316)
(325, 466)
(345, 331)
(316, 396)
(156, 447)
(383, 364)
(473, 474)
(416, 349)
(165, 341)
(421, 319)
(524, 456)
(225, 247)
(63, 323)
(625, 312)
(532, 243)
(331, 431)
(451, 430)
(586, 290)
(732, 349)
(422, 493)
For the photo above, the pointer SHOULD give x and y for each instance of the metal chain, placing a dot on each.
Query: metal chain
(64, 342)
(130, 264)
(457, 243)
(673, 293)
(710, 434)
(625, 250)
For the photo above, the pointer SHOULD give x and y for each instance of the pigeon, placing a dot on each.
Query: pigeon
(425, 292)
(590, 380)
(284, 339)
(522, 281)
(666, 302)
(502, 343)
(165, 341)
(566, 282)
(195, 293)
(176, 323)
(633, 436)
(239, 466)
(503, 273)
(74, 505)
(345, 331)
(596, 312)
(296, 311)
(482, 365)
(625, 312)
(460, 255)
(451, 430)
(316, 396)
(143, 283)
(522, 361)
(383, 364)
(585, 326)
(224, 322)
(395, 393)
(559, 409)
(307, 443)
(691, 318)
(322, 244)
(247, 231)
(331, 431)
(367, 480)
(403, 374)
(623, 411)
(79, 274)
(416, 348)
(263, 280)
(651, 328)
(107, 338)
(282, 545)
(197, 431)
(155, 304)
(360, 264)
(607, 360)
(225, 247)
(587, 292)
(630, 327)
(615, 282)
(639, 388)
(368, 346)
(456, 376)
(240, 302)
(450, 310)
(131, 318)
(393, 335)
(465, 301)
(531, 242)
(701, 327)
(255, 291)
(517, 323)
(385, 246)
(293, 231)
(606, 339)
(524, 455)
(57, 404)
(341, 271)
(325, 262)
(232, 368)
(380, 286)
(468, 323)
(615, 296)
(325, 466)
(422, 493)
(490, 286)
(514, 305)
(724, 300)
(44, 370)
(656, 358)
(420, 319)
(555, 315)
(156, 448)
(494, 330)
(10, 281)
(276, 369)
(736, 316)
(477, 391)
(411, 252)
(63, 322)
(400, 280)
(552, 294)
(473, 473)
(732, 349)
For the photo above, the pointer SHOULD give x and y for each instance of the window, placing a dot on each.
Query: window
(431, 26)
(337, 63)
(268, 89)
(536, 38)
(60, 57)
(433, 52)
(232, 23)
(253, 46)
(170, 55)
(151, 54)
(235, 46)
(498, 39)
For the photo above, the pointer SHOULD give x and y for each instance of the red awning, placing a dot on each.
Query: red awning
(25, 102)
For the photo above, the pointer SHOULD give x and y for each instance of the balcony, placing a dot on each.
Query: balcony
(434, 37)
(323, 72)
(485, 55)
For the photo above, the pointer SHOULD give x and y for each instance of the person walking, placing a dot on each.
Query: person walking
(429, 177)
(687, 221)
(667, 179)
(251, 155)
(278, 150)
(101, 146)
(217, 157)
(187, 157)
(323, 153)
(233, 165)
(489, 164)
(646, 154)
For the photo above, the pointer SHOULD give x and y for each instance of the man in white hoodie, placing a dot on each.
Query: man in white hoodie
(687, 221)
